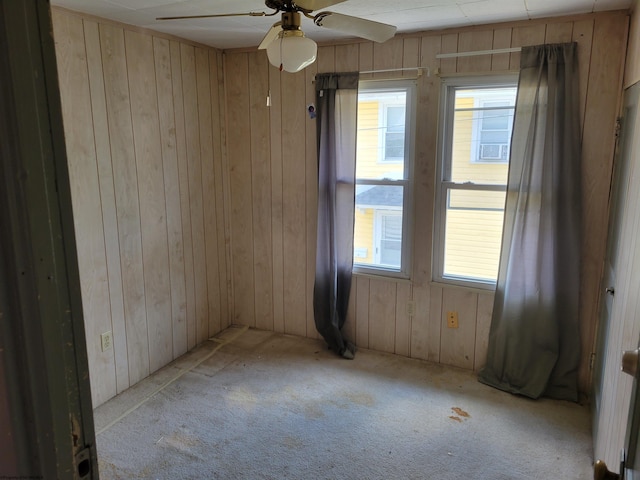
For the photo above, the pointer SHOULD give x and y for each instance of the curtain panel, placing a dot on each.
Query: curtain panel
(534, 341)
(336, 116)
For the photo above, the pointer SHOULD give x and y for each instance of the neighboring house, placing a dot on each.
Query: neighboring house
(481, 136)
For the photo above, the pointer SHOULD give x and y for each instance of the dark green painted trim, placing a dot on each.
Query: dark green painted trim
(40, 297)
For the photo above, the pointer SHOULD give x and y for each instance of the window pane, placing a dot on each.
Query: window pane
(381, 134)
(390, 239)
(481, 135)
(473, 233)
(378, 226)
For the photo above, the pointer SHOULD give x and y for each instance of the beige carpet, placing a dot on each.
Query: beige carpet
(258, 405)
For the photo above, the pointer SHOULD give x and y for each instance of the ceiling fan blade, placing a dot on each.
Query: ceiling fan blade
(247, 14)
(271, 35)
(375, 31)
(314, 5)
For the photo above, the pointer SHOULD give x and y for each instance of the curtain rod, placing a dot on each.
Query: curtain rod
(478, 52)
(419, 70)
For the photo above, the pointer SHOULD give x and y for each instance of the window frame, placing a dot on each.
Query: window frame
(444, 170)
(410, 87)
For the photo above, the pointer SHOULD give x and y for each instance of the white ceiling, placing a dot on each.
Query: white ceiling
(407, 15)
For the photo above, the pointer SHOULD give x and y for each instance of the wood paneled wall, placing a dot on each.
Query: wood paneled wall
(632, 71)
(195, 203)
(144, 127)
(272, 168)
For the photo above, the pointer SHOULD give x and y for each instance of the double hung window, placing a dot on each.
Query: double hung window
(475, 136)
(386, 112)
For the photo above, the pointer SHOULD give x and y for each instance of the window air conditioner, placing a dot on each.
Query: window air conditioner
(493, 151)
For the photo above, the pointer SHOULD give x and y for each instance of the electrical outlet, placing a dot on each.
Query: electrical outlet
(106, 341)
(411, 308)
(452, 319)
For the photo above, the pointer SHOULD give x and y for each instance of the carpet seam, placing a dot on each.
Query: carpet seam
(172, 380)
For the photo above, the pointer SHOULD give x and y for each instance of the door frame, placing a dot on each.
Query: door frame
(46, 415)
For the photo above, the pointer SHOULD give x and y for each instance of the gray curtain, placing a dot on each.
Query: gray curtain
(534, 341)
(336, 114)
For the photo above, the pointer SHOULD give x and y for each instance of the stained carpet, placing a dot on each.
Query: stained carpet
(251, 404)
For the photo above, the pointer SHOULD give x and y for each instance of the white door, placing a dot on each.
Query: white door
(620, 321)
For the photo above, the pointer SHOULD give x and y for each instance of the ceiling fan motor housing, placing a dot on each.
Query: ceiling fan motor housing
(282, 5)
(290, 21)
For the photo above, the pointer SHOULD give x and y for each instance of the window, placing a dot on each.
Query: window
(493, 109)
(394, 116)
(473, 162)
(383, 171)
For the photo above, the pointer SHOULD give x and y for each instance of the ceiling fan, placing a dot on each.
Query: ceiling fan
(287, 47)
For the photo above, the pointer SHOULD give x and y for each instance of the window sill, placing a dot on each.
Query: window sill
(382, 276)
(467, 288)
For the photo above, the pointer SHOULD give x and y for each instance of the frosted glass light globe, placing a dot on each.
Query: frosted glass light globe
(292, 51)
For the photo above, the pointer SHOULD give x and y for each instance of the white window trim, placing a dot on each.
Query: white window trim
(443, 170)
(406, 182)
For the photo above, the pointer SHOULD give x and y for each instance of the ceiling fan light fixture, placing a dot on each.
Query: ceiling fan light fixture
(292, 51)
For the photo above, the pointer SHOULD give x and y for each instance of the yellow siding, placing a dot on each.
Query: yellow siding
(363, 234)
(462, 169)
(369, 145)
(473, 243)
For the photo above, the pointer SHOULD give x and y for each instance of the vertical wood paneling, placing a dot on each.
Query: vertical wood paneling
(108, 202)
(135, 207)
(349, 327)
(126, 193)
(559, 32)
(83, 175)
(239, 153)
(382, 313)
(294, 202)
(184, 335)
(388, 55)
(632, 70)
(411, 55)
(420, 324)
(347, 57)
(326, 61)
(194, 189)
(523, 36)
(449, 44)
(162, 57)
(472, 41)
(458, 344)
(151, 194)
(501, 39)
(605, 81)
(261, 180)
(365, 60)
(362, 312)
(435, 320)
(275, 116)
(483, 324)
(403, 320)
(209, 200)
(220, 172)
(207, 184)
(426, 148)
(311, 190)
(194, 159)
(583, 35)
